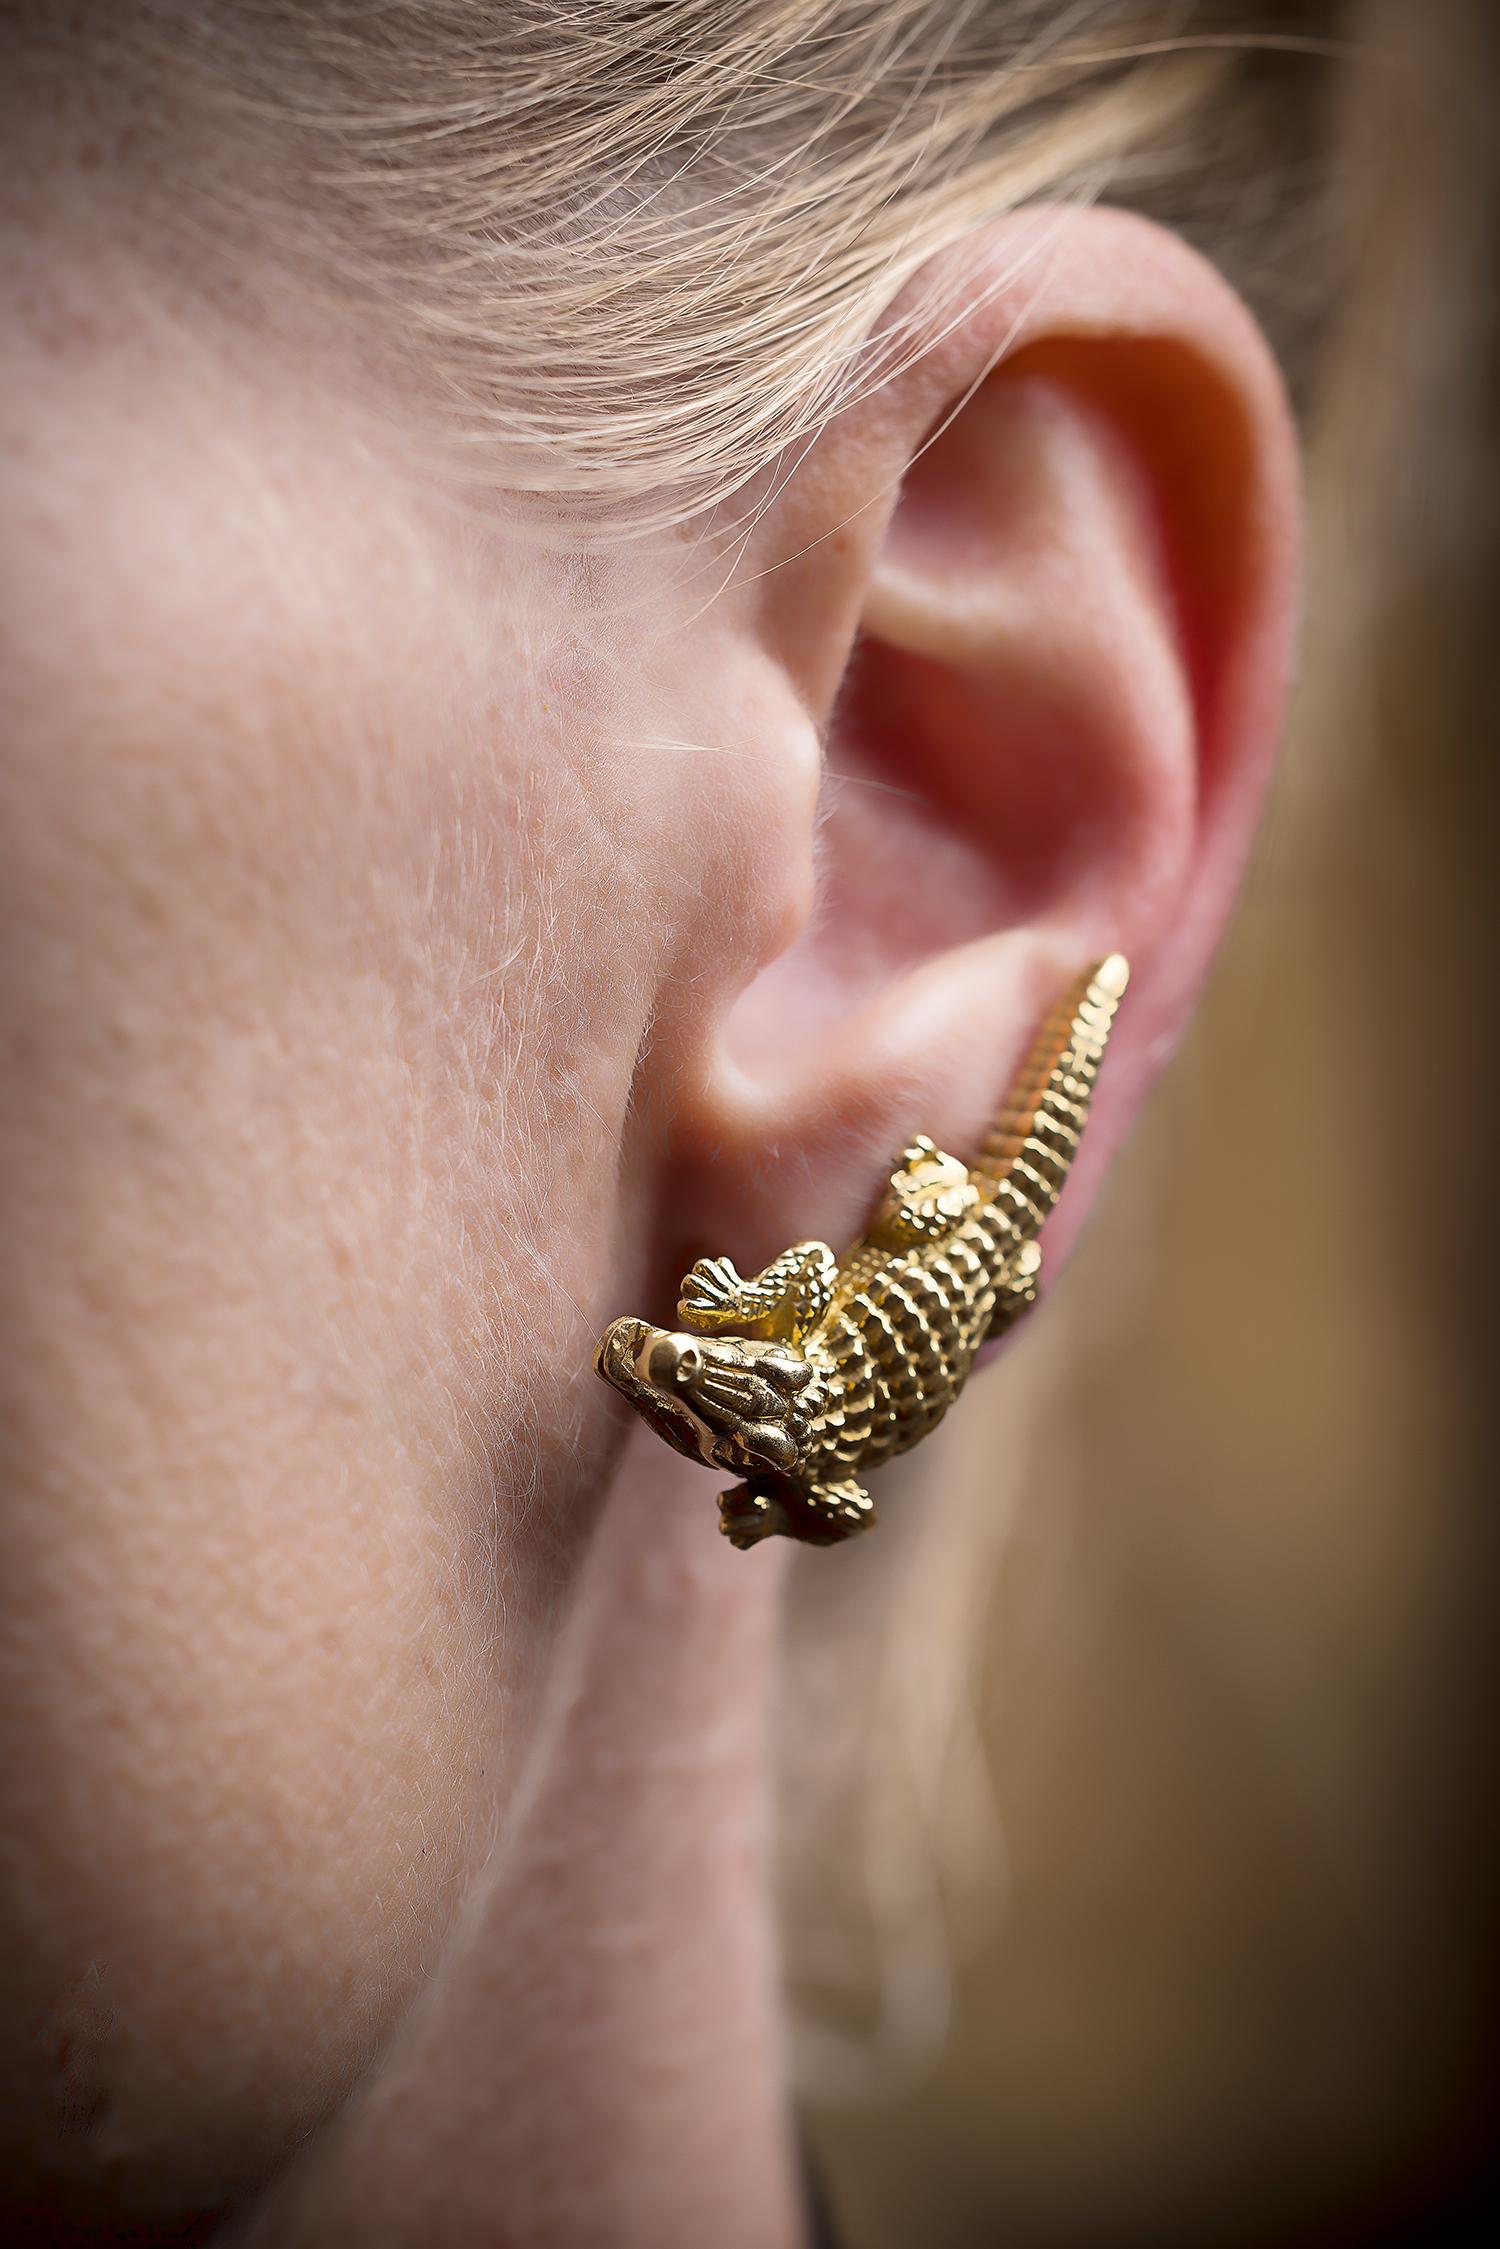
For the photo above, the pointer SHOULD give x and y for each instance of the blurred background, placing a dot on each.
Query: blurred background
(1150, 1896)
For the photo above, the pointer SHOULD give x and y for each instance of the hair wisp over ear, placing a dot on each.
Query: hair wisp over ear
(664, 266)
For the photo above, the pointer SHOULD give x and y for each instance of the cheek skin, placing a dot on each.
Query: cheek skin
(245, 1705)
(300, 1135)
(345, 877)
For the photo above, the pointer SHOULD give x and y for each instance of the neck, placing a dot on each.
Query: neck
(598, 2058)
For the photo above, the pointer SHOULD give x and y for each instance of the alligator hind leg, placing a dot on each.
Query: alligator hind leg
(1017, 1291)
(929, 1195)
(779, 1304)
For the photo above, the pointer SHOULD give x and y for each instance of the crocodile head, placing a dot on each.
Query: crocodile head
(723, 1399)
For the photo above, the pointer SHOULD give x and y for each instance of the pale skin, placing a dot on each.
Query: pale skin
(410, 962)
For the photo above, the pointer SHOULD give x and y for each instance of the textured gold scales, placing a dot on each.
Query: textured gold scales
(808, 1374)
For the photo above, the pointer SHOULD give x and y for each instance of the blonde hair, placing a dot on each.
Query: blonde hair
(647, 250)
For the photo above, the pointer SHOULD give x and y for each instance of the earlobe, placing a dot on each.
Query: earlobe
(1046, 606)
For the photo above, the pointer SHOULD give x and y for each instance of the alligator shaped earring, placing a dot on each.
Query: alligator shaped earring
(819, 1368)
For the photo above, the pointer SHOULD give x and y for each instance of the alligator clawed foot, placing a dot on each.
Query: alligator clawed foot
(711, 1294)
(747, 1516)
(825, 1515)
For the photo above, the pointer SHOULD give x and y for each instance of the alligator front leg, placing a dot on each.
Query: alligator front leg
(844, 1509)
(782, 1303)
(749, 1513)
(823, 1515)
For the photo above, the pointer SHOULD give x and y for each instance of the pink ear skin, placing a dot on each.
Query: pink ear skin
(1042, 611)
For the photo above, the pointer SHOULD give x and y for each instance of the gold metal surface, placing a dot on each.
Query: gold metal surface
(817, 1369)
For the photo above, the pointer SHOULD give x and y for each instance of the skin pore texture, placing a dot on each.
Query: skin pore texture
(420, 940)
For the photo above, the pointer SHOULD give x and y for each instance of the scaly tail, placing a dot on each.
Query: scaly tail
(1032, 1143)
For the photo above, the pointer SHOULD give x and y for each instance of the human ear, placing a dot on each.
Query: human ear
(1038, 591)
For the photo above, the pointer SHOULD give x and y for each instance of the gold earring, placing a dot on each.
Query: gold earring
(819, 1368)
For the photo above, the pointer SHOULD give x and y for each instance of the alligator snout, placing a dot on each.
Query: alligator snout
(729, 1400)
(617, 1349)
